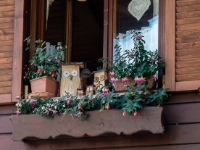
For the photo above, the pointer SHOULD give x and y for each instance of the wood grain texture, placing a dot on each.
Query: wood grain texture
(17, 50)
(5, 54)
(148, 119)
(169, 46)
(5, 125)
(6, 14)
(187, 3)
(5, 83)
(186, 52)
(7, 3)
(7, 8)
(188, 8)
(7, 31)
(188, 85)
(185, 15)
(5, 90)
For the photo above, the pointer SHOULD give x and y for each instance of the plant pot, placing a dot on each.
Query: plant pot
(121, 87)
(98, 123)
(44, 84)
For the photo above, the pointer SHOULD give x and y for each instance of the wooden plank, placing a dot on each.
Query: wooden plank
(187, 45)
(187, 33)
(7, 8)
(188, 70)
(5, 83)
(6, 19)
(6, 66)
(6, 25)
(169, 46)
(6, 77)
(4, 98)
(187, 64)
(179, 98)
(187, 3)
(188, 8)
(7, 109)
(185, 52)
(6, 43)
(183, 27)
(6, 14)
(5, 90)
(191, 57)
(181, 113)
(6, 60)
(187, 14)
(18, 47)
(6, 48)
(185, 21)
(5, 54)
(187, 85)
(105, 31)
(7, 31)
(7, 2)
(188, 77)
(188, 39)
(6, 37)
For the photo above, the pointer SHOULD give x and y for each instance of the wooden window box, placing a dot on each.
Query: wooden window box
(98, 123)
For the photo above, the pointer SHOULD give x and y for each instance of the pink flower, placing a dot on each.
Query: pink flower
(108, 106)
(139, 80)
(68, 102)
(18, 112)
(56, 57)
(60, 47)
(105, 92)
(114, 80)
(43, 108)
(124, 80)
(79, 106)
(32, 63)
(79, 114)
(124, 113)
(153, 59)
(135, 113)
(47, 112)
(131, 54)
(54, 112)
(33, 102)
(111, 74)
(57, 73)
(44, 71)
(155, 77)
(138, 37)
(48, 105)
(17, 97)
(38, 71)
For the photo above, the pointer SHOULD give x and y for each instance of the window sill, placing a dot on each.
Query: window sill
(98, 123)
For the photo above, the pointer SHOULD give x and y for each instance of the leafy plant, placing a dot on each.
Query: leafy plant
(42, 63)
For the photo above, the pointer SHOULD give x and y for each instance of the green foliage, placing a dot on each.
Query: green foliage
(41, 63)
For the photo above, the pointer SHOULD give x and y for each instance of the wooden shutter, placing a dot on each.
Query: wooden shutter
(182, 48)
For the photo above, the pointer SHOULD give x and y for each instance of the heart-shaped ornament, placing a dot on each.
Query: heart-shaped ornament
(137, 8)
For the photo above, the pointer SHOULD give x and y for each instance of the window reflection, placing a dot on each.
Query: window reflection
(125, 22)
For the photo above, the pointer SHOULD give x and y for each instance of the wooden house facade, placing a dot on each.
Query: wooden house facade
(179, 41)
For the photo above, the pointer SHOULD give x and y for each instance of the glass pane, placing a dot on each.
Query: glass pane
(125, 20)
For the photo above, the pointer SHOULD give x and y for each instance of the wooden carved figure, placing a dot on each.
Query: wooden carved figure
(90, 90)
(99, 78)
(70, 80)
(80, 93)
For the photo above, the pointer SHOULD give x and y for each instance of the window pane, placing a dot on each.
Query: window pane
(126, 19)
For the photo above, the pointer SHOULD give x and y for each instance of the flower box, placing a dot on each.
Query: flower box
(98, 123)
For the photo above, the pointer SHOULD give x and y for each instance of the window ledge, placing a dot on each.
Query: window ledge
(98, 123)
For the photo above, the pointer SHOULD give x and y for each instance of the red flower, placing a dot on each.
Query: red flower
(79, 106)
(124, 113)
(18, 112)
(108, 107)
(135, 113)
(33, 102)
(138, 37)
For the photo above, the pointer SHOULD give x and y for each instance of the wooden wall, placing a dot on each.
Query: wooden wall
(6, 48)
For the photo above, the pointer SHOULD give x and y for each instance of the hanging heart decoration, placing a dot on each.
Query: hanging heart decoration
(137, 8)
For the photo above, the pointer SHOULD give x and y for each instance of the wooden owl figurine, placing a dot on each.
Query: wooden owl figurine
(100, 77)
(80, 93)
(90, 90)
(70, 80)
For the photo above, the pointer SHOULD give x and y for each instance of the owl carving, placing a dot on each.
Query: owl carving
(70, 80)
(90, 90)
(80, 93)
(99, 78)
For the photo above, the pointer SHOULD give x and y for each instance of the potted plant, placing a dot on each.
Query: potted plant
(134, 66)
(44, 68)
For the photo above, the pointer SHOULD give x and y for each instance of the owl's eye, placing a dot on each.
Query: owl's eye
(88, 89)
(74, 73)
(102, 78)
(96, 79)
(66, 73)
(91, 89)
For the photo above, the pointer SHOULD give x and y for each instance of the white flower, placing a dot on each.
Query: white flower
(55, 107)
(63, 105)
(17, 104)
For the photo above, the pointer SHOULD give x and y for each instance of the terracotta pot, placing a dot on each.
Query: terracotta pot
(44, 84)
(120, 87)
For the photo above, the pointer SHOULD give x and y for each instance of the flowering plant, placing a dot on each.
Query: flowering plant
(137, 63)
(43, 63)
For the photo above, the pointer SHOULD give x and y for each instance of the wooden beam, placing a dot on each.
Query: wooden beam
(105, 32)
(17, 49)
